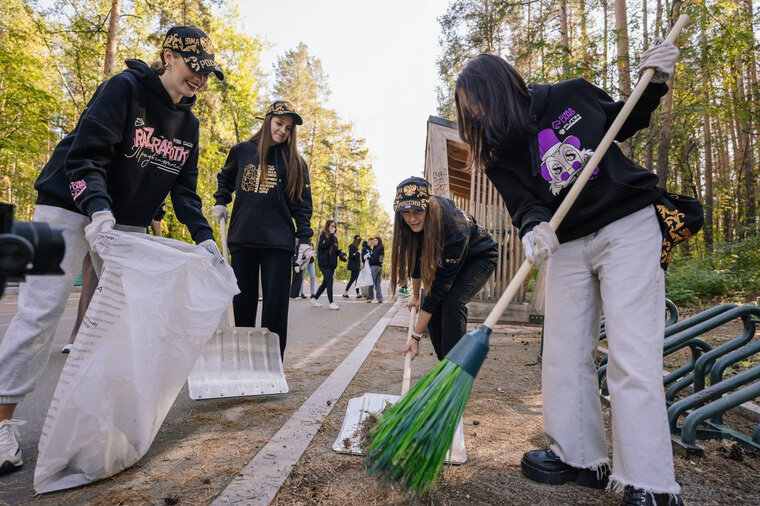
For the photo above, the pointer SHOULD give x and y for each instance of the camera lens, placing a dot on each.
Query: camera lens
(47, 245)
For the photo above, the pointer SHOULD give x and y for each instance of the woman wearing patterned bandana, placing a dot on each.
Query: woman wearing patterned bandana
(271, 183)
(436, 244)
(533, 143)
(136, 142)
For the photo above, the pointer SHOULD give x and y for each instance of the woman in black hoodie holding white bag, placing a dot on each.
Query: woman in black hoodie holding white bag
(135, 142)
(271, 182)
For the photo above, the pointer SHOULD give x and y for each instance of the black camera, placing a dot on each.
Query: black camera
(28, 248)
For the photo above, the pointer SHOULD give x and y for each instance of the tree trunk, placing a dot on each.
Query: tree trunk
(708, 227)
(663, 149)
(112, 43)
(623, 61)
(585, 45)
(606, 42)
(564, 42)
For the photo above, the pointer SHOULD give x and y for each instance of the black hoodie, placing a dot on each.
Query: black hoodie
(327, 252)
(569, 120)
(130, 148)
(263, 214)
(463, 239)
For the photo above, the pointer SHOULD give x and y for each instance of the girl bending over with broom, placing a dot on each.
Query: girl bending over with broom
(608, 253)
(437, 244)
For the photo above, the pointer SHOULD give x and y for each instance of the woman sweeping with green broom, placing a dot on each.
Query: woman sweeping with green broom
(438, 245)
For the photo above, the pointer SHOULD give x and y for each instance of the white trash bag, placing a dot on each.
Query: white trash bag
(157, 303)
(365, 276)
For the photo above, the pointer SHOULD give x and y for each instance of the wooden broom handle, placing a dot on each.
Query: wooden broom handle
(225, 254)
(575, 190)
(407, 381)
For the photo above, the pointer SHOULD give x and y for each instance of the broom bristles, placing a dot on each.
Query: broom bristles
(409, 443)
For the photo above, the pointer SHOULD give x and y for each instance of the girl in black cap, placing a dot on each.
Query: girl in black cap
(533, 143)
(436, 244)
(271, 181)
(354, 264)
(135, 142)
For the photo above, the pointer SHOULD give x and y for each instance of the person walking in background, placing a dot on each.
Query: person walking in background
(376, 264)
(135, 142)
(354, 265)
(327, 258)
(271, 182)
(606, 254)
(438, 244)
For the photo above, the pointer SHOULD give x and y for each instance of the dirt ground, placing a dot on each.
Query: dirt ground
(502, 420)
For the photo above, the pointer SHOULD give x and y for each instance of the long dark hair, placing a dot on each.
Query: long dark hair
(326, 232)
(293, 160)
(492, 104)
(428, 243)
(357, 241)
(379, 244)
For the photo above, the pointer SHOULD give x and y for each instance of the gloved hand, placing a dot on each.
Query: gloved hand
(102, 221)
(210, 246)
(305, 253)
(540, 243)
(220, 211)
(662, 58)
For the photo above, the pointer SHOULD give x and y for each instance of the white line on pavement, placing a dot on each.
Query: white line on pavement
(319, 351)
(262, 478)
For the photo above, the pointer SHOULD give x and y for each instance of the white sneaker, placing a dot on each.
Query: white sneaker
(67, 348)
(333, 305)
(314, 303)
(10, 450)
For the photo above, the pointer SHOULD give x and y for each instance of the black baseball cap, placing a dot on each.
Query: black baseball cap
(412, 193)
(282, 107)
(195, 48)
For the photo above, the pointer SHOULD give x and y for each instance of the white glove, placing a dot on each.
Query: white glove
(540, 243)
(662, 58)
(305, 254)
(102, 221)
(210, 246)
(219, 211)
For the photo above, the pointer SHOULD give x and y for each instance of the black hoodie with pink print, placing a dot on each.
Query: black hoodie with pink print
(569, 120)
(131, 147)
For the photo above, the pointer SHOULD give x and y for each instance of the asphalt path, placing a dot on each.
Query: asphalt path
(312, 333)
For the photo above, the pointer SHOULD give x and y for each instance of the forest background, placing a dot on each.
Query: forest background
(54, 55)
(703, 139)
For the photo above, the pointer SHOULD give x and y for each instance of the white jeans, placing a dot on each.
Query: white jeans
(615, 270)
(25, 349)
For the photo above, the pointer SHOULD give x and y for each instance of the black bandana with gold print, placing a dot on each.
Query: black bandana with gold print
(412, 193)
(680, 218)
(195, 47)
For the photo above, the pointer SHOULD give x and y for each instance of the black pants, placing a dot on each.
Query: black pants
(354, 277)
(448, 322)
(327, 282)
(296, 285)
(275, 282)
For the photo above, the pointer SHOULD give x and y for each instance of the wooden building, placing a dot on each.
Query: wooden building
(446, 169)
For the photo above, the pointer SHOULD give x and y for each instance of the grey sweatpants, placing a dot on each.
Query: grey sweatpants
(25, 349)
(615, 270)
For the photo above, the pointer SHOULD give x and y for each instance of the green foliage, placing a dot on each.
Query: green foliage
(730, 268)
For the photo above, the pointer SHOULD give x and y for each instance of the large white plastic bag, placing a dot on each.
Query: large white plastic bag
(157, 303)
(365, 276)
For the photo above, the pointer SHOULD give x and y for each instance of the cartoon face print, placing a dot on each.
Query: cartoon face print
(561, 161)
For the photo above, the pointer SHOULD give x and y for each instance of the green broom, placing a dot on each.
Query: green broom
(408, 445)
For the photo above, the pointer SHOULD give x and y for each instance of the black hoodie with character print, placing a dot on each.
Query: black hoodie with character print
(131, 147)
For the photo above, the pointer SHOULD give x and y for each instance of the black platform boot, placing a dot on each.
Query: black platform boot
(544, 466)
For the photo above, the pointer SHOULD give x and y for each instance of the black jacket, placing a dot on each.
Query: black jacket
(130, 148)
(376, 257)
(263, 214)
(354, 258)
(327, 251)
(463, 239)
(569, 120)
